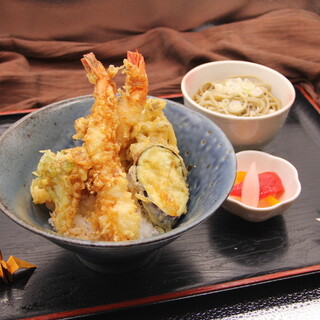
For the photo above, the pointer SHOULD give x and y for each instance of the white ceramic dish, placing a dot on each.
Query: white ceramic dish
(266, 162)
(244, 133)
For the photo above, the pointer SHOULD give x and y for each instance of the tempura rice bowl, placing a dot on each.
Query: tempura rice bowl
(206, 151)
(243, 132)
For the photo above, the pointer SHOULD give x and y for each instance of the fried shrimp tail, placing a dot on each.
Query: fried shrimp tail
(136, 84)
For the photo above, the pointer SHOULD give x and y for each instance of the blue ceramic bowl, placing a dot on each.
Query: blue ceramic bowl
(207, 152)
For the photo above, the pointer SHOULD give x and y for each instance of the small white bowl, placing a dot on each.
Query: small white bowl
(244, 133)
(266, 162)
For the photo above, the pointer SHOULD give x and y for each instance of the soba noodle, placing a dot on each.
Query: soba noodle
(244, 96)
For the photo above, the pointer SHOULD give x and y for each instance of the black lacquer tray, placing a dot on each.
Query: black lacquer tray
(223, 254)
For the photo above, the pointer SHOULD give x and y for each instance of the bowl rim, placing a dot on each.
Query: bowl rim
(164, 237)
(234, 117)
(280, 204)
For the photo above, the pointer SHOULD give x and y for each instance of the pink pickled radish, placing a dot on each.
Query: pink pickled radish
(251, 187)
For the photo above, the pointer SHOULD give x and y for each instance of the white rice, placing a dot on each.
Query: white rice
(147, 230)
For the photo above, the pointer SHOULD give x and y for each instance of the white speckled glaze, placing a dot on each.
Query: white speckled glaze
(266, 162)
(206, 150)
(243, 132)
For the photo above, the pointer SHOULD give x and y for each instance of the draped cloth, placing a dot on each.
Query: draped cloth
(40, 50)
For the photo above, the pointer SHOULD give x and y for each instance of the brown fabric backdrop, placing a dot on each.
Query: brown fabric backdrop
(40, 57)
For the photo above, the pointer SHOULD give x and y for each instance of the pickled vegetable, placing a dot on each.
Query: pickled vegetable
(270, 187)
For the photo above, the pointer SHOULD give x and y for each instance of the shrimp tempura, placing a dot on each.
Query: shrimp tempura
(115, 217)
(133, 99)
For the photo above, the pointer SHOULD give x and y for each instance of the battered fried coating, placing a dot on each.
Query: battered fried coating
(61, 178)
(133, 98)
(86, 187)
(152, 128)
(115, 217)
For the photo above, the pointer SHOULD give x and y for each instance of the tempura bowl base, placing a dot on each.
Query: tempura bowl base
(117, 267)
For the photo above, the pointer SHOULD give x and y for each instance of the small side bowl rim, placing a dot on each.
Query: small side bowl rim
(234, 117)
